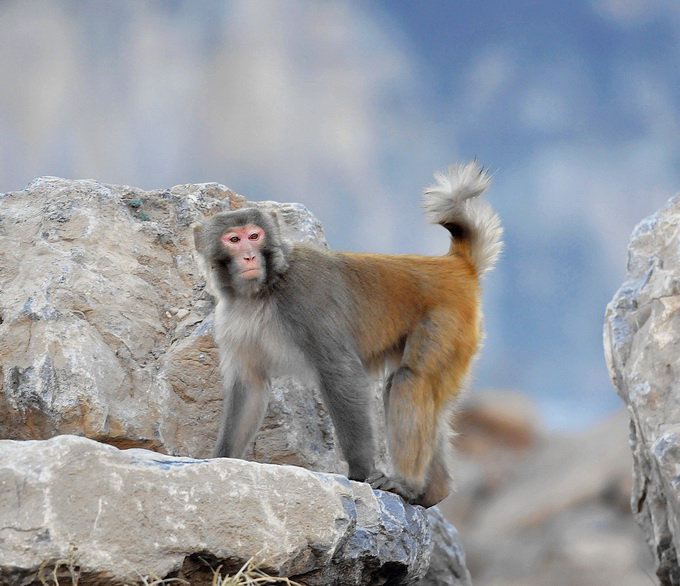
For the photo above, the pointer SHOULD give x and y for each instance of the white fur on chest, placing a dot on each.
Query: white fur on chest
(253, 341)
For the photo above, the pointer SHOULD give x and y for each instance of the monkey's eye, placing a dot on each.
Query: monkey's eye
(254, 236)
(234, 239)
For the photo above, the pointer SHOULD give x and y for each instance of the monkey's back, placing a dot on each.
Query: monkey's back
(385, 299)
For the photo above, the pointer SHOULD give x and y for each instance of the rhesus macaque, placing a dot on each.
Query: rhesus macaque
(336, 317)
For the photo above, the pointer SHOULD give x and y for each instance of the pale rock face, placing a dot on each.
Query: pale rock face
(106, 328)
(122, 513)
(642, 345)
(106, 333)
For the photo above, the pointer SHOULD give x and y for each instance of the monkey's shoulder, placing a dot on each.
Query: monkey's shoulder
(314, 284)
(310, 252)
(307, 259)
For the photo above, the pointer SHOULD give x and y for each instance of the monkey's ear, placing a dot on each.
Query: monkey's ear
(196, 228)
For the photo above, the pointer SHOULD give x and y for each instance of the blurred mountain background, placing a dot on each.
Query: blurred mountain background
(348, 107)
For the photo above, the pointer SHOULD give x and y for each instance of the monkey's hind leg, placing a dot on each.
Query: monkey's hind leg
(418, 400)
(438, 481)
(242, 414)
(411, 432)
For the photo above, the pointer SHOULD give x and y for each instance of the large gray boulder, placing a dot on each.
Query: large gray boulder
(642, 346)
(117, 515)
(106, 333)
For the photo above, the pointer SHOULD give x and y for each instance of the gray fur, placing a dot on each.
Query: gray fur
(294, 322)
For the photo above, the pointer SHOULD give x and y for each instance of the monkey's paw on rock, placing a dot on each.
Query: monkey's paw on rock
(116, 515)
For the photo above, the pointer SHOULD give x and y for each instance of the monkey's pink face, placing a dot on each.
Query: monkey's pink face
(244, 244)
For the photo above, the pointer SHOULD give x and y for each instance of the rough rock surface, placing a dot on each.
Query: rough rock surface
(447, 561)
(106, 332)
(642, 345)
(119, 514)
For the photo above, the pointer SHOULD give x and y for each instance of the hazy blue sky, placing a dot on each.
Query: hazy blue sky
(349, 107)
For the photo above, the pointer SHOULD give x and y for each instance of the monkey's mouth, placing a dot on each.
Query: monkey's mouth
(250, 274)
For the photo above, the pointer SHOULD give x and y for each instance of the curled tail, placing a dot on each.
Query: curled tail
(455, 204)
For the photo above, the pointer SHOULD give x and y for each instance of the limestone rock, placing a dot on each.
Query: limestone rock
(554, 510)
(117, 515)
(106, 330)
(447, 561)
(486, 419)
(642, 345)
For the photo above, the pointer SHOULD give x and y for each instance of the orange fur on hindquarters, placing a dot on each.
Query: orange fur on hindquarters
(424, 311)
(398, 291)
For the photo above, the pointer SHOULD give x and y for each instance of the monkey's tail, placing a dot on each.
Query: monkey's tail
(455, 204)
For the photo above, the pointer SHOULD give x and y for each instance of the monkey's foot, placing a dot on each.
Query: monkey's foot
(379, 481)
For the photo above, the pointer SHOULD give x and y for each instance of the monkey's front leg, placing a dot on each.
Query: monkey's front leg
(345, 391)
(242, 414)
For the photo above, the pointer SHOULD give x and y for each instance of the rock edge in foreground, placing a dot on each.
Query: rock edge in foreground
(122, 514)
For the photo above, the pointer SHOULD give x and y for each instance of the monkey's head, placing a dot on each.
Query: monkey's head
(242, 251)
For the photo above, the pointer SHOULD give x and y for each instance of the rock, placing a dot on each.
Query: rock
(487, 419)
(642, 344)
(554, 511)
(297, 430)
(447, 561)
(562, 472)
(118, 515)
(495, 431)
(106, 330)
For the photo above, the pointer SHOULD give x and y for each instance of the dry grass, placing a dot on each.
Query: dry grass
(249, 574)
(70, 564)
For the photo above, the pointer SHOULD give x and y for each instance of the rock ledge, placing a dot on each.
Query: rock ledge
(122, 514)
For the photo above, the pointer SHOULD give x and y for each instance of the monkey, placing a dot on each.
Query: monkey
(338, 319)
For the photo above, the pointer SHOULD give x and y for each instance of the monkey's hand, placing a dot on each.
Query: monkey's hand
(379, 481)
